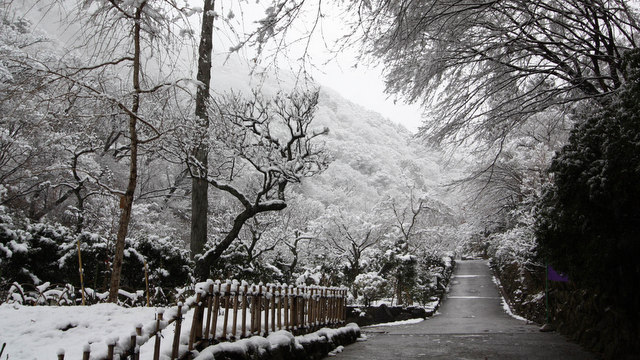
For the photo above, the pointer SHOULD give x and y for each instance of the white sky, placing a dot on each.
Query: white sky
(363, 84)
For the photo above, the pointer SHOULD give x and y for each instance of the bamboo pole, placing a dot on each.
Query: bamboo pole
(132, 345)
(156, 346)
(81, 271)
(259, 311)
(254, 300)
(176, 335)
(209, 305)
(266, 310)
(234, 326)
(216, 309)
(194, 323)
(227, 297)
(279, 307)
(86, 351)
(311, 309)
(111, 346)
(273, 308)
(146, 281)
(244, 311)
(286, 308)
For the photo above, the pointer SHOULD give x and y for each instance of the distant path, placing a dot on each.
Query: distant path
(471, 325)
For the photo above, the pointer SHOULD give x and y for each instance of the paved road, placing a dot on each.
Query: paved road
(471, 324)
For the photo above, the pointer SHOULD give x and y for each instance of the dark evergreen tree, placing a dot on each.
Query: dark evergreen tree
(589, 220)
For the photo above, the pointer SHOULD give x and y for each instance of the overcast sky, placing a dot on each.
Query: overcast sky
(363, 84)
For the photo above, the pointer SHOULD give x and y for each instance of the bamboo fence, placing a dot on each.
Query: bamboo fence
(226, 311)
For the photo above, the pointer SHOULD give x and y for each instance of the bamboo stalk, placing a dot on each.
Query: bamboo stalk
(266, 311)
(273, 308)
(81, 271)
(86, 351)
(279, 307)
(209, 305)
(254, 299)
(194, 323)
(156, 346)
(132, 345)
(216, 309)
(234, 326)
(176, 334)
(286, 308)
(244, 311)
(146, 281)
(226, 313)
(110, 348)
(258, 317)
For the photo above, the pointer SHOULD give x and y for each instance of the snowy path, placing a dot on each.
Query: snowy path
(471, 324)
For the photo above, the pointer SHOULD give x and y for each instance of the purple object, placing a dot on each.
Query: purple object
(556, 276)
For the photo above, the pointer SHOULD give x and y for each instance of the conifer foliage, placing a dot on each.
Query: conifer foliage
(590, 218)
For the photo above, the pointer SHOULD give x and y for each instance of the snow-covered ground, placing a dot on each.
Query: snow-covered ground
(505, 305)
(396, 323)
(38, 332)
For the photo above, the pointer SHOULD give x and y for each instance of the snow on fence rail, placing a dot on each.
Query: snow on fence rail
(225, 311)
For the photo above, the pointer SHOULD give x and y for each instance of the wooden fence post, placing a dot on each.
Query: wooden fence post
(146, 281)
(209, 306)
(267, 299)
(273, 308)
(244, 310)
(258, 315)
(279, 293)
(197, 322)
(226, 296)
(286, 307)
(176, 335)
(156, 346)
(86, 351)
(234, 327)
(81, 270)
(110, 347)
(216, 309)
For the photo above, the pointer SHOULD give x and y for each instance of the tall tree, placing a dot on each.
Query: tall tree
(484, 67)
(199, 184)
(589, 220)
(264, 145)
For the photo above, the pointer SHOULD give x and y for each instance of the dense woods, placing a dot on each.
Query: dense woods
(162, 132)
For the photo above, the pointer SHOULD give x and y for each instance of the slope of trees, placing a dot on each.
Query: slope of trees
(104, 143)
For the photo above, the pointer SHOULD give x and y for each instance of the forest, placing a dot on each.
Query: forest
(188, 140)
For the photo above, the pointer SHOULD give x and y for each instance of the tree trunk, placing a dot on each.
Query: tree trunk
(203, 266)
(199, 185)
(126, 201)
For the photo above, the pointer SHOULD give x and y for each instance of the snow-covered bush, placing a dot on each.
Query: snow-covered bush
(370, 287)
(168, 264)
(49, 253)
(95, 260)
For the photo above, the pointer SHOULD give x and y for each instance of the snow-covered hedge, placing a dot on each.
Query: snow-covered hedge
(44, 253)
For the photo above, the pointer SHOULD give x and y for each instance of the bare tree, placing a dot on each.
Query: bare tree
(483, 67)
(349, 236)
(261, 145)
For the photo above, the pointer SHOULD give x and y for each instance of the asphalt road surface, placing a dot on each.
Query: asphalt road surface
(471, 324)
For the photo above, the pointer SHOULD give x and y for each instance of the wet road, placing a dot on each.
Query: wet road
(471, 324)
